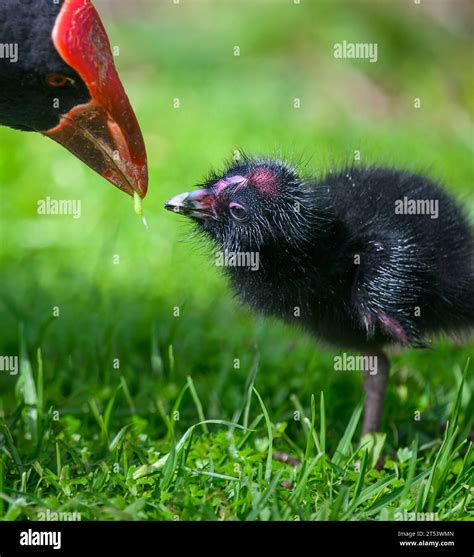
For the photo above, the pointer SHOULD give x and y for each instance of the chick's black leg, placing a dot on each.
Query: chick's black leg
(375, 385)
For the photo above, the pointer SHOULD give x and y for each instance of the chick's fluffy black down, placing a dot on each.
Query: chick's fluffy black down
(349, 267)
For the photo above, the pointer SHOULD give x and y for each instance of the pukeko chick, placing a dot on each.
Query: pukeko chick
(361, 258)
(57, 77)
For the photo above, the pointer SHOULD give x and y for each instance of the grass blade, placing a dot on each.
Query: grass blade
(344, 445)
(198, 404)
(268, 467)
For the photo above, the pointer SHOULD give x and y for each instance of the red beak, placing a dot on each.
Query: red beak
(103, 133)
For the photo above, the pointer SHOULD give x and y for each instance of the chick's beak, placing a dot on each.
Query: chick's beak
(196, 204)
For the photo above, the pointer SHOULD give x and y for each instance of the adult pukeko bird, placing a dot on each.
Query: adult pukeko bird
(361, 258)
(57, 77)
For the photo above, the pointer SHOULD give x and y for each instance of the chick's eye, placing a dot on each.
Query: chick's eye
(58, 80)
(237, 211)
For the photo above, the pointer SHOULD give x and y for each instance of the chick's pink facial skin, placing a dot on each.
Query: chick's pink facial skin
(249, 192)
(253, 203)
(265, 180)
(103, 133)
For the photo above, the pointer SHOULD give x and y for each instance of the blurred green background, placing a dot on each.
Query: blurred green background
(185, 51)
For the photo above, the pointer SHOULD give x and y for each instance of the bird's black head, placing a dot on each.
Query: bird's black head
(254, 203)
(57, 77)
(36, 84)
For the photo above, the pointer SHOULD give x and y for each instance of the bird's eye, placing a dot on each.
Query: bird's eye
(58, 80)
(238, 211)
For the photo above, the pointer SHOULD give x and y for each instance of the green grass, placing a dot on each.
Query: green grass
(218, 469)
(153, 394)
